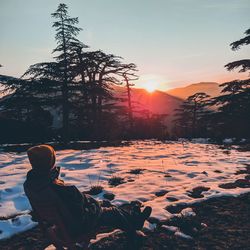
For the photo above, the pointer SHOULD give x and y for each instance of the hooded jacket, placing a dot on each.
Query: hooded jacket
(84, 209)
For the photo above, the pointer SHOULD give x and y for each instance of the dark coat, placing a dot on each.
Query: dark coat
(84, 209)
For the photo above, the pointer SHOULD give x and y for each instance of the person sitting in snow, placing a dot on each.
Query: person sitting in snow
(86, 211)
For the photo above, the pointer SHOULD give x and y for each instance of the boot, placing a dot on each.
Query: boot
(140, 217)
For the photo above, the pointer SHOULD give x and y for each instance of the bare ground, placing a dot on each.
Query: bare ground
(225, 225)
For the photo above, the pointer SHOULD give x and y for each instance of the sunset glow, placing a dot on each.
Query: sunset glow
(151, 87)
(152, 82)
(131, 117)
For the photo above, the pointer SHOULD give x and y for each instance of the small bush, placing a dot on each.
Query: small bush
(136, 171)
(94, 190)
(109, 196)
(116, 180)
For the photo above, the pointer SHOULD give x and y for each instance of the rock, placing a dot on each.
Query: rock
(242, 183)
(170, 198)
(161, 193)
(109, 196)
(218, 171)
(197, 192)
(228, 185)
(168, 175)
(176, 208)
(136, 171)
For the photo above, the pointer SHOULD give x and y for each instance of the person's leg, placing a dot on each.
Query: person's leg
(116, 217)
(129, 222)
(120, 218)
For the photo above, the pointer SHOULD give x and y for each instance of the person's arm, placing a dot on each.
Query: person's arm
(72, 199)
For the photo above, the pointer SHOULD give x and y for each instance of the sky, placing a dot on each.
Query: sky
(173, 42)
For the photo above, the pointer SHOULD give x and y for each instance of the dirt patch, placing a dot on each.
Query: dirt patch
(197, 192)
(176, 208)
(136, 171)
(161, 193)
(241, 183)
(171, 198)
(109, 196)
(244, 171)
(116, 180)
(226, 220)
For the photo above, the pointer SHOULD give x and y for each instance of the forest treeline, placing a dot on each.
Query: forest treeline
(75, 90)
(227, 115)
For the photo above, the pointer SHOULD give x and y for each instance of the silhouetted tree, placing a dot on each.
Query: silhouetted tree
(99, 73)
(190, 115)
(128, 76)
(233, 104)
(149, 125)
(233, 116)
(61, 73)
(244, 65)
(66, 33)
(20, 106)
(78, 84)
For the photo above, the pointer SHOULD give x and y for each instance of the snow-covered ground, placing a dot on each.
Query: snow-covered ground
(168, 172)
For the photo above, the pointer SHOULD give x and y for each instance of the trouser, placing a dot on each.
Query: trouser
(117, 218)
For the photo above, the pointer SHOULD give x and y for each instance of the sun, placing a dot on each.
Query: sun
(150, 86)
(151, 82)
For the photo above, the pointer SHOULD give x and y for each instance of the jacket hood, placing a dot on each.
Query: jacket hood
(42, 157)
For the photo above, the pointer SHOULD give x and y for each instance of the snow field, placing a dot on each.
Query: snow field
(168, 172)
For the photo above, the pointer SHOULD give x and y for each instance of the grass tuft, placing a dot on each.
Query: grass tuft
(136, 171)
(116, 180)
(94, 190)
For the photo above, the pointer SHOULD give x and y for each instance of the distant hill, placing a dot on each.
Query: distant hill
(157, 102)
(211, 88)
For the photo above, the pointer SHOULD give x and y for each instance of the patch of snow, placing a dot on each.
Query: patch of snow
(15, 225)
(182, 235)
(50, 247)
(149, 226)
(188, 212)
(204, 225)
(174, 167)
(228, 140)
(172, 229)
(104, 235)
(201, 140)
(176, 231)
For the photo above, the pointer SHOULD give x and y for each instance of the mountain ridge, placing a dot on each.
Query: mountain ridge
(211, 88)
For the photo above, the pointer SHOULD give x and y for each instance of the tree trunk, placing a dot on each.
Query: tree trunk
(65, 94)
(130, 111)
